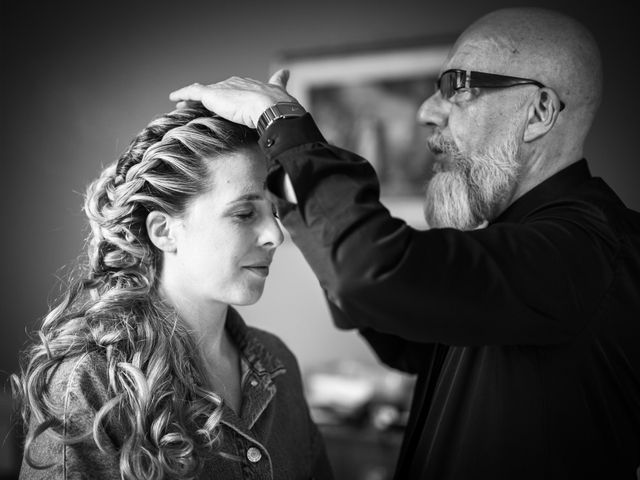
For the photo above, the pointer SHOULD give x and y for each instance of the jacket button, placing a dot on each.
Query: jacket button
(254, 455)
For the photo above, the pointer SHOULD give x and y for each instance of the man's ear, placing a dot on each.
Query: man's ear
(160, 228)
(542, 114)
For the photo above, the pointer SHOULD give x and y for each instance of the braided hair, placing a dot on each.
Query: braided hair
(170, 421)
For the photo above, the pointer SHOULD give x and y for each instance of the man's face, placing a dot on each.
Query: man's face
(476, 137)
(468, 189)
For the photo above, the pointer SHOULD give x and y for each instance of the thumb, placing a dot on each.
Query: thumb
(280, 78)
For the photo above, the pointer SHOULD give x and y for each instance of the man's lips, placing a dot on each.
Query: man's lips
(435, 149)
(441, 156)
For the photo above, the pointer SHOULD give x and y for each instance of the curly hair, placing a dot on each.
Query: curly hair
(171, 422)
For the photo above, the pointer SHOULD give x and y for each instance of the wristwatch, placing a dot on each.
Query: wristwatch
(277, 111)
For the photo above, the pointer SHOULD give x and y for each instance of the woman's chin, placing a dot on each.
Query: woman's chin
(248, 298)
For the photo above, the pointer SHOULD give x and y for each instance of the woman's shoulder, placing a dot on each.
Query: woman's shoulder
(276, 348)
(80, 378)
(77, 390)
(255, 341)
(266, 337)
(270, 340)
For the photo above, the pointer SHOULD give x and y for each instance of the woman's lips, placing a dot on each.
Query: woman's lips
(260, 270)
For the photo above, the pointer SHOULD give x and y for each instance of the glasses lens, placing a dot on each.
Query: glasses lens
(448, 84)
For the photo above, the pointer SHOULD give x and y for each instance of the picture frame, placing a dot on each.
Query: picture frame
(365, 98)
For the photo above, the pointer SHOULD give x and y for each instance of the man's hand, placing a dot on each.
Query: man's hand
(240, 100)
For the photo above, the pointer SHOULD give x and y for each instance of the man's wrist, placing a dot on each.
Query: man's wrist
(277, 111)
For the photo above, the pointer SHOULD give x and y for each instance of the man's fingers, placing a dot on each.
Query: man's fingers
(280, 78)
(192, 92)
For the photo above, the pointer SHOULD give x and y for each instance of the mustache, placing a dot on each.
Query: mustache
(438, 143)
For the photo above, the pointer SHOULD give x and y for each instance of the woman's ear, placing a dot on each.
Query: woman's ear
(160, 228)
(542, 114)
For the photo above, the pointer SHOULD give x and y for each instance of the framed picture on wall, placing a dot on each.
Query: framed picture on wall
(365, 99)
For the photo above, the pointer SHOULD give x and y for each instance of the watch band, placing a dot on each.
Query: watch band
(277, 111)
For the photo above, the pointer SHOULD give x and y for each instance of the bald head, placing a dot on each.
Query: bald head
(540, 44)
(496, 144)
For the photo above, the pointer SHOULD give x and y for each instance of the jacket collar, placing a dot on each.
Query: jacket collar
(262, 368)
(549, 190)
(261, 360)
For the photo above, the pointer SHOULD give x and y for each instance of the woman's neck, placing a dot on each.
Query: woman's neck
(205, 319)
(219, 355)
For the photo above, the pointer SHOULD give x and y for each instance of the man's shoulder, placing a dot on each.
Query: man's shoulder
(591, 199)
(603, 199)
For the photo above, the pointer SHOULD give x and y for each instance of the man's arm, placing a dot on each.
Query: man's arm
(525, 283)
(531, 283)
(396, 352)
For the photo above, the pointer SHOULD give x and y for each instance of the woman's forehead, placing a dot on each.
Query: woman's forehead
(238, 173)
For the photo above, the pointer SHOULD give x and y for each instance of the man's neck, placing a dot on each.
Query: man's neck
(538, 168)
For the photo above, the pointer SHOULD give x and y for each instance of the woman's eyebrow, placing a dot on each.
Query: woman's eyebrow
(247, 197)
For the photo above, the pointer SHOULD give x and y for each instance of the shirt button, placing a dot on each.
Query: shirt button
(270, 142)
(254, 455)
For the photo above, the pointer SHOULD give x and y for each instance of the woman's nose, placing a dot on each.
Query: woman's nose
(271, 235)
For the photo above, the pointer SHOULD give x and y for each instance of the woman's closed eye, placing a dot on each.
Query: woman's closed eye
(245, 214)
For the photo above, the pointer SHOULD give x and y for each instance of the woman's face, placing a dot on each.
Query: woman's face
(226, 238)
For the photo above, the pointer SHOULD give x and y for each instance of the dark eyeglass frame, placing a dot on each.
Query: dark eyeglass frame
(455, 79)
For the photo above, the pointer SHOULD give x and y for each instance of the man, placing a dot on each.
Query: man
(524, 335)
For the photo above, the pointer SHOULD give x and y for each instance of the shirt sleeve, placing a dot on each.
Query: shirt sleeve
(534, 282)
(394, 351)
(81, 391)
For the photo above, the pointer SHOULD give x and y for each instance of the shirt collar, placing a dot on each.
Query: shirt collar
(550, 189)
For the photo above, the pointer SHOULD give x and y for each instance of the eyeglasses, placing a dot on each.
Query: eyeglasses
(453, 80)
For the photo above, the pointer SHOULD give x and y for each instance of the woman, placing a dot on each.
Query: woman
(145, 370)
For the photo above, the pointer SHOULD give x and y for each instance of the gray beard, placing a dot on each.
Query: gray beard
(474, 189)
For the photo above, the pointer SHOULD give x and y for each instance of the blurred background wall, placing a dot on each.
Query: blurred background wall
(79, 79)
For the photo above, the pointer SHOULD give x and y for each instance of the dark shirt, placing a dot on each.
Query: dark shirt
(525, 335)
(273, 438)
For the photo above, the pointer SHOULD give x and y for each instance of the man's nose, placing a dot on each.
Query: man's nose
(434, 111)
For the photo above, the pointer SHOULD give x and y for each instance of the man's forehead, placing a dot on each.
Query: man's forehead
(486, 53)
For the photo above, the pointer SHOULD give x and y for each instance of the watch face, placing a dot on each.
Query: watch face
(292, 109)
(277, 111)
